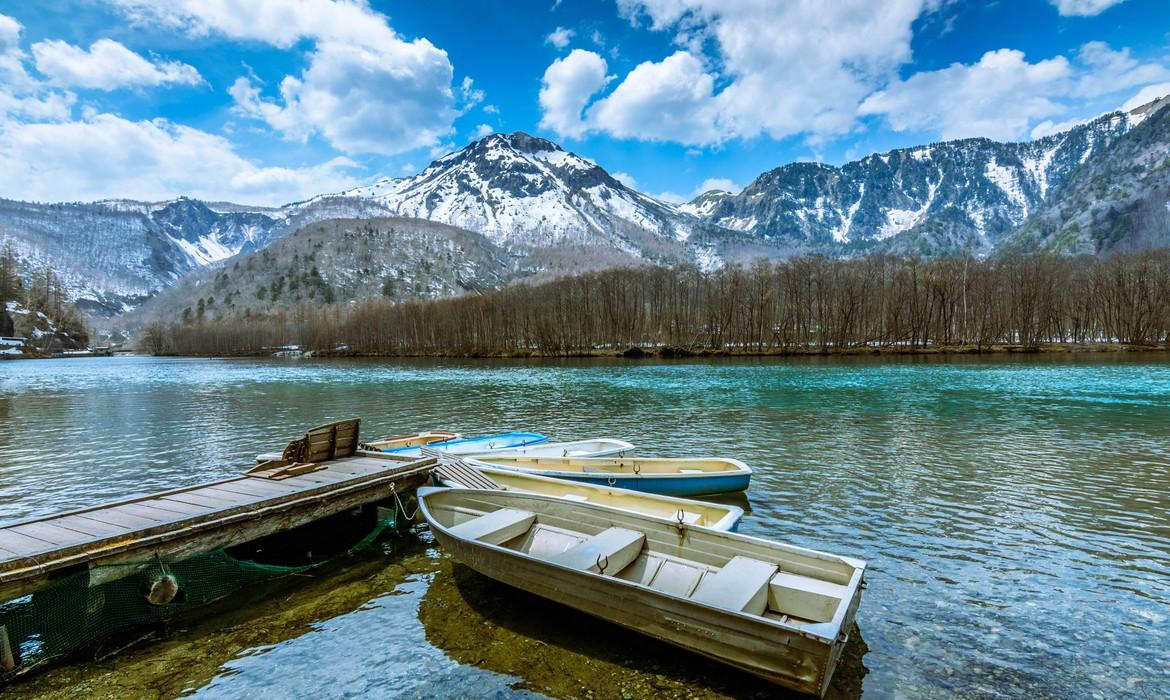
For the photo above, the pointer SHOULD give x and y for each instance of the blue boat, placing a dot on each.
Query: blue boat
(663, 476)
(475, 445)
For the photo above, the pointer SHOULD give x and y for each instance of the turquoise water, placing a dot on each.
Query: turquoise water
(1015, 512)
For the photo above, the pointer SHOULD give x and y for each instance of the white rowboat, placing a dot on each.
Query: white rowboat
(713, 515)
(781, 612)
(666, 476)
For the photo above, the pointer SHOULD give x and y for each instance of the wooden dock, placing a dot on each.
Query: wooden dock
(320, 475)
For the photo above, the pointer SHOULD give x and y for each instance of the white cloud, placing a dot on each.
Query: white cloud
(667, 101)
(106, 156)
(1106, 71)
(1146, 95)
(107, 65)
(1083, 8)
(566, 88)
(1049, 127)
(671, 197)
(390, 100)
(716, 183)
(14, 79)
(626, 179)
(365, 89)
(281, 23)
(1003, 96)
(997, 97)
(778, 69)
(491, 109)
(483, 130)
(560, 37)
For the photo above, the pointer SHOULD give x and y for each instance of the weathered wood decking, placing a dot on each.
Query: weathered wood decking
(187, 521)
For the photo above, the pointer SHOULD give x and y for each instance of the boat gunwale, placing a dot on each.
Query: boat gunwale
(618, 448)
(808, 631)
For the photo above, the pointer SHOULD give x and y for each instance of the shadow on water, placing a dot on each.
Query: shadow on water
(561, 652)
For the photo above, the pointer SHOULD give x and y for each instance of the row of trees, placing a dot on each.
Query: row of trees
(798, 305)
(43, 312)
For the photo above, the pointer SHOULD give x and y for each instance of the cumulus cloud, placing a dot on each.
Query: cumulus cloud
(483, 130)
(1049, 127)
(106, 156)
(560, 37)
(107, 65)
(777, 69)
(365, 89)
(1083, 8)
(1146, 95)
(997, 97)
(626, 179)
(744, 68)
(566, 88)
(717, 183)
(667, 101)
(1003, 96)
(47, 154)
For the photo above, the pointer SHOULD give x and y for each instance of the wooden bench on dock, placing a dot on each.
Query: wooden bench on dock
(322, 475)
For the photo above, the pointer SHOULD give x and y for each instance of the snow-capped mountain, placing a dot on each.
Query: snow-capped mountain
(526, 193)
(111, 255)
(1117, 201)
(948, 197)
(551, 211)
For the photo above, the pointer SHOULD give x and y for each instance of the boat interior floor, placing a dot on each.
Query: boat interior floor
(743, 584)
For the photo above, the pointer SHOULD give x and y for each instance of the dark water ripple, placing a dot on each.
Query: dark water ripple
(1015, 512)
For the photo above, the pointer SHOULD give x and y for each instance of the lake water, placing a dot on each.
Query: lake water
(1014, 511)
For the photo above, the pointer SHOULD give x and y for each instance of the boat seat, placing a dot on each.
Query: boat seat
(496, 527)
(616, 548)
(805, 597)
(741, 585)
(690, 471)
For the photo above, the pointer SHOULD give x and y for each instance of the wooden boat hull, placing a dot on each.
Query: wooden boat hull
(800, 659)
(666, 477)
(712, 515)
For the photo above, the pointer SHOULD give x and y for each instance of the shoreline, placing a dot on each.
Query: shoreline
(636, 352)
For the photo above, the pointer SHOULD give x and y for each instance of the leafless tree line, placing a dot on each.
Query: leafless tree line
(798, 305)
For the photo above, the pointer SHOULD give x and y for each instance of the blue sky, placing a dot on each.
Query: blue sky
(269, 101)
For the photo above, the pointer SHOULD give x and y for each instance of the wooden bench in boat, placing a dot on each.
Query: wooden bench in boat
(496, 527)
(742, 584)
(610, 550)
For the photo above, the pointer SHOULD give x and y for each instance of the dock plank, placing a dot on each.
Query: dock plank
(233, 496)
(147, 511)
(87, 526)
(122, 519)
(180, 507)
(207, 502)
(55, 536)
(314, 479)
(20, 543)
(259, 487)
